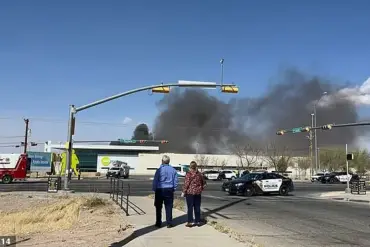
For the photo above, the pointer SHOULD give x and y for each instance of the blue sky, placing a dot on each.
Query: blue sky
(55, 53)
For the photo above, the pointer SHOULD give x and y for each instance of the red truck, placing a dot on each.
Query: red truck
(13, 167)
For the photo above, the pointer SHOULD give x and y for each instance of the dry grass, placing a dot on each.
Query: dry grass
(220, 227)
(60, 215)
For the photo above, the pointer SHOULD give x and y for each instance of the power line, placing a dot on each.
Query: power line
(8, 146)
(10, 137)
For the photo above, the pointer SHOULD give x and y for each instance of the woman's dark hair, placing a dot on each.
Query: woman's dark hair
(193, 165)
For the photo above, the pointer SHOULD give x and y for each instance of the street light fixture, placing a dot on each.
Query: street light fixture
(315, 134)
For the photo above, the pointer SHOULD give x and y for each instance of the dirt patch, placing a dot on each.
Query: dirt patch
(43, 220)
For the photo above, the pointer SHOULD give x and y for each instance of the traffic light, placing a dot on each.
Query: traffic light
(350, 157)
(229, 89)
(305, 129)
(142, 141)
(164, 141)
(327, 127)
(280, 132)
(161, 90)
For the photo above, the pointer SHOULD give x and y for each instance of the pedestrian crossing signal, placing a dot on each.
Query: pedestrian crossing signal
(350, 156)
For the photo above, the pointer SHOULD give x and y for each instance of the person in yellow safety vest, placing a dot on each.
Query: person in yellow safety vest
(236, 173)
(74, 162)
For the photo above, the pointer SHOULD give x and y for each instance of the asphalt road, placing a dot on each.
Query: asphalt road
(141, 186)
(296, 220)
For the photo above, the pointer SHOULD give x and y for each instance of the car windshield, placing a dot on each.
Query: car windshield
(250, 176)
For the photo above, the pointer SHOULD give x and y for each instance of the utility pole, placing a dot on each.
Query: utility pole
(222, 70)
(315, 125)
(26, 135)
(310, 138)
(347, 190)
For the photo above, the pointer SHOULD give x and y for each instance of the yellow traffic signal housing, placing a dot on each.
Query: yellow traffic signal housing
(229, 89)
(161, 90)
(305, 129)
(327, 127)
(280, 132)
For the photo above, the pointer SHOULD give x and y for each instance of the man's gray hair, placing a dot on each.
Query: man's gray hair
(165, 159)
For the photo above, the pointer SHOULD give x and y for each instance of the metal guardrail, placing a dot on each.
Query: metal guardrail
(119, 194)
(358, 187)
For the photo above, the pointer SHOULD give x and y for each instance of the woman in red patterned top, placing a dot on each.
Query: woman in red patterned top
(192, 190)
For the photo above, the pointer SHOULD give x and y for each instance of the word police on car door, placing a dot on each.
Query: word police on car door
(270, 182)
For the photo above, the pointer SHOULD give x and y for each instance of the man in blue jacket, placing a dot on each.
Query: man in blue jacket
(164, 185)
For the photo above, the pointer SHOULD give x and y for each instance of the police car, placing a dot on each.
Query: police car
(259, 183)
(338, 177)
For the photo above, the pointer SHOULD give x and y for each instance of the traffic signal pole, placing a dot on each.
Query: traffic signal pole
(27, 121)
(323, 127)
(161, 88)
(311, 138)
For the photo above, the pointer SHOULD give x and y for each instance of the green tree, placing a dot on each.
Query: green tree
(333, 159)
(361, 161)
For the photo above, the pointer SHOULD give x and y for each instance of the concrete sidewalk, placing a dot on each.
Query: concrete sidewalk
(342, 196)
(145, 234)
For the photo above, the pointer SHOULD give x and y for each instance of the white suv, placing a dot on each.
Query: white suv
(227, 174)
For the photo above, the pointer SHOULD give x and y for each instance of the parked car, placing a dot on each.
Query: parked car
(227, 174)
(118, 172)
(211, 175)
(317, 176)
(336, 177)
(259, 183)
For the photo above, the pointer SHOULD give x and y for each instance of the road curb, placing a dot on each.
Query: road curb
(349, 200)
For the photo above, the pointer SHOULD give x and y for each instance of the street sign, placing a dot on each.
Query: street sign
(296, 130)
(126, 141)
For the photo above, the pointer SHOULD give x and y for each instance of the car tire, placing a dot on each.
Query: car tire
(283, 191)
(232, 178)
(7, 179)
(249, 191)
(332, 181)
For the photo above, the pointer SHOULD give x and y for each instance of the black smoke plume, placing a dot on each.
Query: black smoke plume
(194, 121)
(141, 132)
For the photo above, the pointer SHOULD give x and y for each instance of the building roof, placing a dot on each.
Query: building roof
(49, 145)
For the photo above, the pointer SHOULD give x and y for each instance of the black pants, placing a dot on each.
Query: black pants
(164, 196)
(193, 202)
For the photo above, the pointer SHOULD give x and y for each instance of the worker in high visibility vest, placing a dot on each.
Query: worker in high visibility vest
(74, 163)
